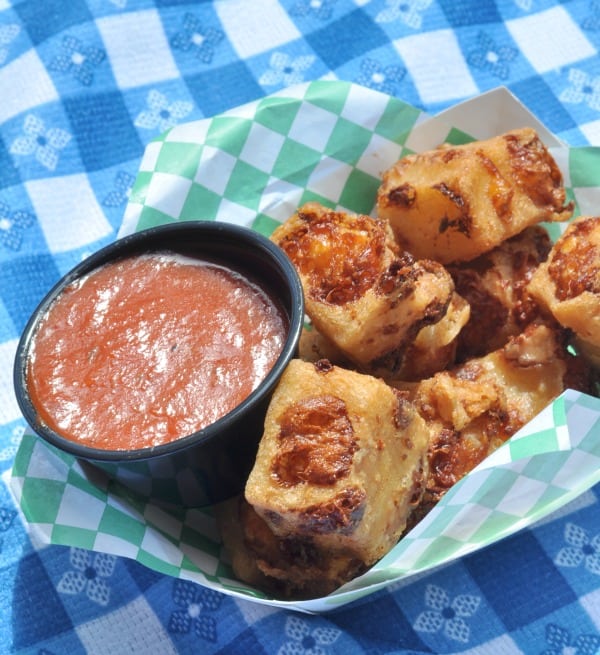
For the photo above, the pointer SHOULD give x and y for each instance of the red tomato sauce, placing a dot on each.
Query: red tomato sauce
(150, 349)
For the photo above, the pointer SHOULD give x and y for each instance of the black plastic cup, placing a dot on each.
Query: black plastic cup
(212, 464)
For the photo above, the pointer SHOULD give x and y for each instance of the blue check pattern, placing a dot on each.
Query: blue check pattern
(86, 84)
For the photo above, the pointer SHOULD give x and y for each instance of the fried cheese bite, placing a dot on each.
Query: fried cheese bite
(341, 465)
(474, 408)
(433, 349)
(495, 286)
(567, 284)
(435, 346)
(454, 203)
(362, 293)
(285, 567)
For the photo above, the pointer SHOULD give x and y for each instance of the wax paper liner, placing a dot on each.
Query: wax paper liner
(325, 141)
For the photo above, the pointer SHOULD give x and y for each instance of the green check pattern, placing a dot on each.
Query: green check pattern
(254, 165)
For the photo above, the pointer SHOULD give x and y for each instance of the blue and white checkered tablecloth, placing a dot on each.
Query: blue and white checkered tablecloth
(84, 86)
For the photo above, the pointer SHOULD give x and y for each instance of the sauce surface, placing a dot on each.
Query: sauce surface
(151, 348)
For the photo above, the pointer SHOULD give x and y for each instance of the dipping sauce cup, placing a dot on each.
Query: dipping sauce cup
(154, 359)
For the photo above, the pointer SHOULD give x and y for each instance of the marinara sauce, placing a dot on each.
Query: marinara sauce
(151, 348)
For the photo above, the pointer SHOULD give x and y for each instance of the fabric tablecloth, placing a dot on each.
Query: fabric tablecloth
(86, 85)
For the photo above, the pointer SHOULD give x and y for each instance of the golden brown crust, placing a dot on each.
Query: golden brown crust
(291, 568)
(339, 256)
(567, 284)
(456, 202)
(477, 406)
(495, 286)
(316, 442)
(435, 346)
(294, 565)
(363, 294)
(433, 349)
(575, 263)
(341, 465)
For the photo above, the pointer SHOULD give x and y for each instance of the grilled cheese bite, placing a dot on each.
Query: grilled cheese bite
(433, 349)
(567, 284)
(341, 465)
(454, 203)
(472, 409)
(495, 287)
(362, 293)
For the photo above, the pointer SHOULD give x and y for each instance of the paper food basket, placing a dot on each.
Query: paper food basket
(254, 165)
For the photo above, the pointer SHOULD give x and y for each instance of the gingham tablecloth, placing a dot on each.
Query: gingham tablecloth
(85, 87)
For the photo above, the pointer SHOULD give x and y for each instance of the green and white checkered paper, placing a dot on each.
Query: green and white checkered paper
(325, 141)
